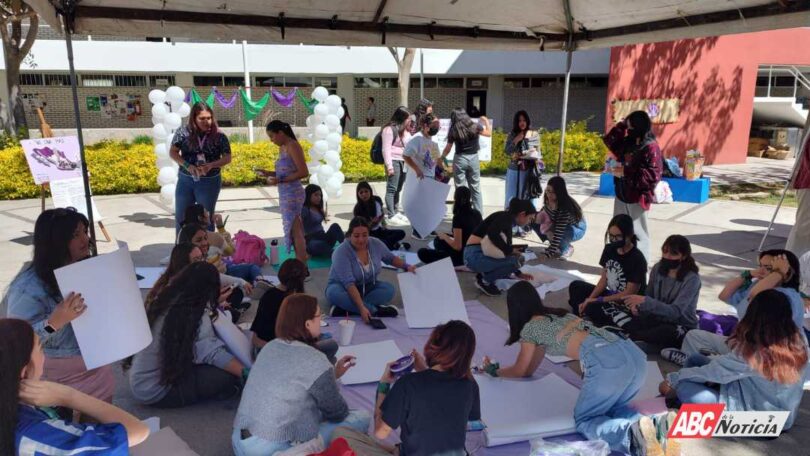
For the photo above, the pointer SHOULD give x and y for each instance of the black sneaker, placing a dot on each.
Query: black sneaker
(308, 277)
(336, 311)
(386, 312)
(488, 289)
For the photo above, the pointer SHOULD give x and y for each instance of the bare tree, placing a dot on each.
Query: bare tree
(12, 15)
(404, 64)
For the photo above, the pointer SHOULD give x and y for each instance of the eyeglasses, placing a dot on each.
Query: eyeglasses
(614, 237)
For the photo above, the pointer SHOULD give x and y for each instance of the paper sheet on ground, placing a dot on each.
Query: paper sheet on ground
(553, 279)
(370, 361)
(114, 326)
(234, 338)
(70, 193)
(520, 410)
(424, 203)
(150, 276)
(432, 295)
(410, 258)
(557, 359)
(163, 442)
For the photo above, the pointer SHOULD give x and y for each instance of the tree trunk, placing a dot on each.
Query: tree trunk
(15, 50)
(404, 64)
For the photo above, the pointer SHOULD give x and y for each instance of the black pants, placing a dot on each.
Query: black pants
(321, 244)
(235, 300)
(443, 250)
(201, 382)
(391, 238)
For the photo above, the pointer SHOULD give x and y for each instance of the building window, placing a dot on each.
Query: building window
(366, 83)
(430, 83)
(130, 81)
(389, 83)
(293, 81)
(451, 83)
(57, 79)
(547, 82)
(516, 83)
(98, 80)
(154, 39)
(270, 81)
(233, 81)
(477, 83)
(325, 82)
(31, 79)
(161, 81)
(207, 81)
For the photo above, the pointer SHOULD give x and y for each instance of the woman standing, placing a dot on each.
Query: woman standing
(638, 171)
(60, 239)
(395, 136)
(425, 106)
(201, 150)
(291, 167)
(523, 149)
(464, 135)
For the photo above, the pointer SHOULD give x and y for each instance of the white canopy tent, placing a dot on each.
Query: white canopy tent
(537, 25)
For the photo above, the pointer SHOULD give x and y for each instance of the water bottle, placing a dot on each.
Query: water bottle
(274, 251)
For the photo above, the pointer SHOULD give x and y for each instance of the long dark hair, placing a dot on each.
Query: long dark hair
(451, 346)
(278, 126)
(16, 345)
(192, 122)
(53, 231)
(358, 222)
(679, 245)
(641, 134)
(517, 205)
(367, 209)
(292, 274)
(795, 267)
(422, 107)
(625, 224)
(178, 260)
(768, 339)
(310, 190)
(516, 122)
(188, 231)
(194, 214)
(183, 302)
(462, 127)
(462, 200)
(564, 200)
(399, 121)
(523, 304)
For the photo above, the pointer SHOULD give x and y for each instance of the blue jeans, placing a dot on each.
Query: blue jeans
(614, 373)
(491, 269)
(245, 271)
(393, 187)
(255, 446)
(188, 192)
(515, 180)
(321, 244)
(376, 294)
(696, 393)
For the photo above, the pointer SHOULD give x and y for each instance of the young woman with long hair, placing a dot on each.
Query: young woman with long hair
(220, 240)
(60, 239)
(292, 395)
(522, 146)
(291, 167)
(182, 255)
(561, 221)
(370, 207)
(465, 220)
(313, 215)
(614, 370)
(464, 134)
(395, 135)
(424, 107)
(624, 273)
(201, 150)
(28, 423)
(763, 369)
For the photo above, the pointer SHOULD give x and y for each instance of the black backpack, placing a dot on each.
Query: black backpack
(377, 149)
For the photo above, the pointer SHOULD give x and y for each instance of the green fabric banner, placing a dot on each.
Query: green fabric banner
(308, 103)
(195, 97)
(210, 100)
(253, 109)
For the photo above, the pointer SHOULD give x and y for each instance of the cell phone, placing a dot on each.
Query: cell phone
(376, 323)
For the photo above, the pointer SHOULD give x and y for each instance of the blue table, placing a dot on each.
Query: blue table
(694, 191)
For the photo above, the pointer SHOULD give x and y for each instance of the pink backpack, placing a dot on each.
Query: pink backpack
(249, 249)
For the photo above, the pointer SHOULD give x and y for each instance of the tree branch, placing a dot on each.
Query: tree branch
(30, 37)
(394, 53)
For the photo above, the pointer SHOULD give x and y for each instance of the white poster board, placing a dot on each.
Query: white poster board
(150, 276)
(70, 193)
(425, 203)
(52, 159)
(370, 361)
(114, 326)
(234, 339)
(409, 257)
(521, 410)
(165, 441)
(432, 295)
(485, 143)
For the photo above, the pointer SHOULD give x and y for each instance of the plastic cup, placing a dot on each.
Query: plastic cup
(346, 331)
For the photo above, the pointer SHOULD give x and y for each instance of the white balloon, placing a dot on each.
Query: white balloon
(172, 121)
(321, 131)
(320, 94)
(162, 140)
(315, 154)
(165, 163)
(159, 131)
(340, 176)
(156, 121)
(334, 101)
(339, 193)
(321, 110)
(340, 113)
(334, 140)
(310, 121)
(332, 157)
(333, 122)
(316, 119)
(166, 176)
(313, 166)
(313, 179)
(325, 172)
(322, 146)
(161, 150)
(157, 96)
(167, 194)
(333, 184)
(175, 94)
(325, 196)
(184, 110)
(159, 111)
(338, 164)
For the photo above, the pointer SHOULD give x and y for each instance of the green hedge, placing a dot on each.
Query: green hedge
(117, 167)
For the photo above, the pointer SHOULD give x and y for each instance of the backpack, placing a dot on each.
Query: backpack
(377, 149)
(249, 249)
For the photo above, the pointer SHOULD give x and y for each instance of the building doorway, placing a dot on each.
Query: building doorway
(476, 103)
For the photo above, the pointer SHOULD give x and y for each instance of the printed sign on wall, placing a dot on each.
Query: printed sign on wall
(661, 111)
(52, 159)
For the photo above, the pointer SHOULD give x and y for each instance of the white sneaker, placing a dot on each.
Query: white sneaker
(402, 218)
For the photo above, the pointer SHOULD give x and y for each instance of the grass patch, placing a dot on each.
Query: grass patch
(761, 193)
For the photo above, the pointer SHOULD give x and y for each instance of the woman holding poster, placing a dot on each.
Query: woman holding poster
(60, 239)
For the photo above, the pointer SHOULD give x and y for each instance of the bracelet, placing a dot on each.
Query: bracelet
(383, 388)
(492, 369)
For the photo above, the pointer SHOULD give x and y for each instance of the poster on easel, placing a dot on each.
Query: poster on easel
(70, 193)
(52, 159)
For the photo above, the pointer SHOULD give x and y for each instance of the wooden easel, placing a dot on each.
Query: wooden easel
(46, 131)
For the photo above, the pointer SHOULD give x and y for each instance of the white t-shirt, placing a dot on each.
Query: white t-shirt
(424, 152)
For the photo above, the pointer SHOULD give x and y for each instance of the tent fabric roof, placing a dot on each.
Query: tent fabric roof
(453, 24)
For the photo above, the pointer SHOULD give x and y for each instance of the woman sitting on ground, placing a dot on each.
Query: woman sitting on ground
(313, 215)
(370, 206)
(564, 222)
(353, 285)
(433, 404)
(763, 370)
(60, 239)
(465, 220)
(669, 308)
(292, 275)
(220, 240)
(624, 273)
(615, 369)
(301, 402)
(186, 362)
(28, 423)
(500, 260)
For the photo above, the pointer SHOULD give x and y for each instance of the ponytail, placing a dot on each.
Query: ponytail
(278, 126)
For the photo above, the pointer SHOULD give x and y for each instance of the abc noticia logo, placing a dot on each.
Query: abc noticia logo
(702, 421)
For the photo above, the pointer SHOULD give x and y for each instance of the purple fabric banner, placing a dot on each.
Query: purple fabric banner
(284, 100)
(227, 104)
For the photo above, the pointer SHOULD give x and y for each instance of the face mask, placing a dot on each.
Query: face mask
(433, 131)
(668, 265)
(616, 244)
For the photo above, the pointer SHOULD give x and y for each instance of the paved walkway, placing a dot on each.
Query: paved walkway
(755, 170)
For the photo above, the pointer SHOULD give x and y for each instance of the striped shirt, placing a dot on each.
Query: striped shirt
(560, 220)
(42, 434)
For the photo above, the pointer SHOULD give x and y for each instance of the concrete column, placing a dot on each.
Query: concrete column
(184, 80)
(345, 89)
(495, 101)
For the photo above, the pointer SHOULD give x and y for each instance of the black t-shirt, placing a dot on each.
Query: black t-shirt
(466, 221)
(467, 146)
(432, 409)
(204, 149)
(495, 225)
(623, 269)
(264, 326)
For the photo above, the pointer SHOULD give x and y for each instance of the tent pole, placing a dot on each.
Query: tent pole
(85, 176)
(569, 57)
(421, 74)
(247, 86)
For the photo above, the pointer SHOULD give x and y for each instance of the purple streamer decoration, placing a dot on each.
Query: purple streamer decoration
(188, 97)
(227, 104)
(284, 100)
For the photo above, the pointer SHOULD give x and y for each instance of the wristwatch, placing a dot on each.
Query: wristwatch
(49, 329)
